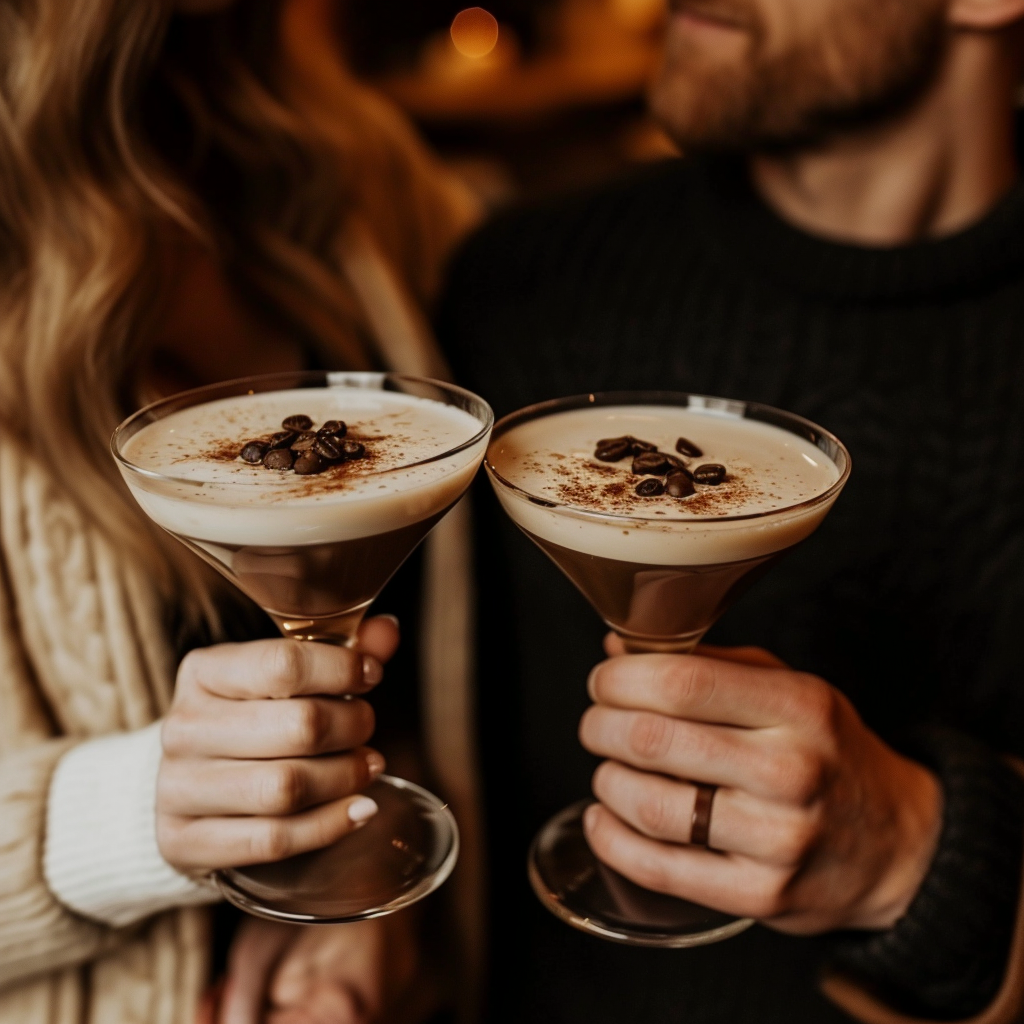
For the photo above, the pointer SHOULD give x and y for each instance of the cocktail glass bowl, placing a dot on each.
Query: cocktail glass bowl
(316, 583)
(660, 584)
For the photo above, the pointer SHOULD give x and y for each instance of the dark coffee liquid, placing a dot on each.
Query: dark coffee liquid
(317, 591)
(669, 605)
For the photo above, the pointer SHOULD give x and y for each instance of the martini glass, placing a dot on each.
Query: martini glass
(314, 551)
(659, 571)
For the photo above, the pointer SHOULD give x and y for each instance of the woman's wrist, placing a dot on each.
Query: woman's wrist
(101, 857)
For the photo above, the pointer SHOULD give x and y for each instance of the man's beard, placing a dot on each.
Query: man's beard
(869, 60)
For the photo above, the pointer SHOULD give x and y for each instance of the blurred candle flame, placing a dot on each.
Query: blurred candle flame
(474, 32)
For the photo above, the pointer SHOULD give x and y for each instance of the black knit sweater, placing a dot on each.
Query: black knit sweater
(910, 598)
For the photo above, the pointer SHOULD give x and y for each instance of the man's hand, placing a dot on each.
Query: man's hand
(817, 823)
(262, 758)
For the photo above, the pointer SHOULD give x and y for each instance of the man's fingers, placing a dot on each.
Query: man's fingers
(727, 882)
(614, 645)
(284, 668)
(756, 656)
(277, 787)
(686, 750)
(256, 949)
(380, 637)
(262, 729)
(203, 844)
(662, 809)
(704, 689)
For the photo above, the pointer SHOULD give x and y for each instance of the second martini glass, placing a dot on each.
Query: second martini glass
(659, 564)
(314, 551)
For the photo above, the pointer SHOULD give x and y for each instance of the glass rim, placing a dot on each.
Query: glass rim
(362, 380)
(712, 406)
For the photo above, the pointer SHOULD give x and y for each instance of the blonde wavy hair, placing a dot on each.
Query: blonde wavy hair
(120, 127)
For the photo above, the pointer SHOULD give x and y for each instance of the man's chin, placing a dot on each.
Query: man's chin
(702, 113)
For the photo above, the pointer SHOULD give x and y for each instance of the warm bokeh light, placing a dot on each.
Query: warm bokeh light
(475, 32)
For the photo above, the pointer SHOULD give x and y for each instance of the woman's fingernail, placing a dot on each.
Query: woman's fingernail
(375, 763)
(592, 682)
(373, 671)
(362, 810)
(590, 818)
(392, 618)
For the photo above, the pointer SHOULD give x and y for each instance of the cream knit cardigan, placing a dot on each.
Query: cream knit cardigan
(83, 654)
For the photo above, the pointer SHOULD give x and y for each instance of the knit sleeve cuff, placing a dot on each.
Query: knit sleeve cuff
(101, 857)
(946, 958)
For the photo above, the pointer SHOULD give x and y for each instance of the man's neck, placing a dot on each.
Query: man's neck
(934, 170)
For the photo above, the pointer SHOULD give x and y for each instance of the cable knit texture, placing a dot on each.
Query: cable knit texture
(82, 654)
(102, 858)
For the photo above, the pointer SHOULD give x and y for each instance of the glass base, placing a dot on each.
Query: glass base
(403, 853)
(575, 886)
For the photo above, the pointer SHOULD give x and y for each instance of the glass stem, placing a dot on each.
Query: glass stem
(653, 645)
(341, 630)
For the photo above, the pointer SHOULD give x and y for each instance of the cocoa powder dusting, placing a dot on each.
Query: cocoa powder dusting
(606, 488)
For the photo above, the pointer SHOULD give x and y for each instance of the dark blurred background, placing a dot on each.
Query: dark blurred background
(520, 97)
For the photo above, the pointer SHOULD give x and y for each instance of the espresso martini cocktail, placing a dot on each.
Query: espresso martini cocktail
(662, 508)
(308, 491)
(311, 548)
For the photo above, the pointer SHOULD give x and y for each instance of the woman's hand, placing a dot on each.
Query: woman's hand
(249, 777)
(817, 824)
(324, 974)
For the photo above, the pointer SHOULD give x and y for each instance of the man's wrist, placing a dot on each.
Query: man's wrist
(917, 813)
(946, 956)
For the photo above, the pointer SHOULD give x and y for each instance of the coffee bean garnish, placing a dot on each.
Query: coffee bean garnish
(650, 488)
(650, 464)
(639, 446)
(688, 448)
(309, 463)
(302, 448)
(351, 450)
(283, 439)
(279, 458)
(679, 485)
(676, 463)
(327, 447)
(710, 473)
(613, 449)
(254, 451)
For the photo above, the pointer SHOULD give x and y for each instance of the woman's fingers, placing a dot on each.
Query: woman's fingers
(255, 951)
(727, 882)
(279, 787)
(204, 844)
(278, 669)
(662, 809)
(261, 729)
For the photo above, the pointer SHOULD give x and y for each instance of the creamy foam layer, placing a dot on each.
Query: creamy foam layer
(207, 493)
(769, 470)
